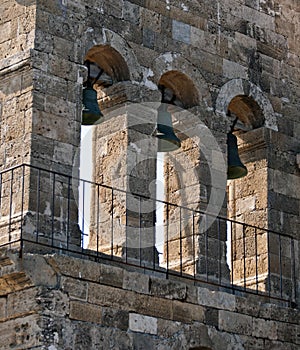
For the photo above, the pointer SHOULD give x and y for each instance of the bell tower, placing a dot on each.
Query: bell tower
(199, 252)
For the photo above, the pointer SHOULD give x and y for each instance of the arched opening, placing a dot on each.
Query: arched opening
(248, 196)
(178, 175)
(249, 117)
(183, 88)
(110, 62)
(248, 112)
(121, 219)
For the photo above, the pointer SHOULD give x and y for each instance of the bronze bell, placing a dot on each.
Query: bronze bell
(236, 169)
(167, 140)
(91, 113)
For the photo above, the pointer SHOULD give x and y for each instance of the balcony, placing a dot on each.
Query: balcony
(43, 211)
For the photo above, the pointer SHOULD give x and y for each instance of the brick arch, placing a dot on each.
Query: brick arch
(120, 50)
(192, 78)
(248, 93)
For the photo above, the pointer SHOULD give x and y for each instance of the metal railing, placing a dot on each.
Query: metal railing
(45, 211)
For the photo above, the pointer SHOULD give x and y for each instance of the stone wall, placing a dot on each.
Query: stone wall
(75, 304)
(217, 56)
(38, 119)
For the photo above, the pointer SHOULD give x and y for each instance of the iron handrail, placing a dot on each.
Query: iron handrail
(144, 197)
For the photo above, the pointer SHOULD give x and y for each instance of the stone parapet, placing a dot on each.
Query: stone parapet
(131, 307)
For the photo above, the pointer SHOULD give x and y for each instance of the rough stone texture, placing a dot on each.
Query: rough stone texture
(240, 56)
(142, 324)
(54, 317)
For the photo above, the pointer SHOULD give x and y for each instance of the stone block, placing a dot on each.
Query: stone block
(252, 343)
(21, 333)
(264, 329)
(168, 289)
(245, 40)
(14, 282)
(142, 323)
(115, 318)
(63, 48)
(63, 153)
(131, 13)
(235, 323)
(198, 336)
(234, 70)
(151, 20)
(288, 332)
(249, 306)
(278, 201)
(144, 341)
(272, 344)
(136, 282)
(192, 294)
(62, 68)
(5, 31)
(76, 268)
(167, 328)
(212, 317)
(148, 38)
(110, 296)
(270, 311)
(111, 275)
(187, 313)
(114, 10)
(216, 299)
(110, 338)
(85, 312)
(75, 288)
(22, 302)
(156, 6)
(3, 312)
(156, 307)
(181, 32)
(45, 275)
(199, 36)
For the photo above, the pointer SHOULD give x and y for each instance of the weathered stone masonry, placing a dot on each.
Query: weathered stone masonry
(236, 55)
(76, 304)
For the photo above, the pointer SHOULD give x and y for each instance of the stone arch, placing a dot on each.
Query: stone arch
(110, 60)
(173, 65)
(182, 86)
(247, 110)
(104, 37)
(248, 94)
(248, 196)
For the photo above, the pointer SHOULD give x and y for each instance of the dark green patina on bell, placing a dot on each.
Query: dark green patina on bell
(91, 113)
(236, 169)
(167, 140)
